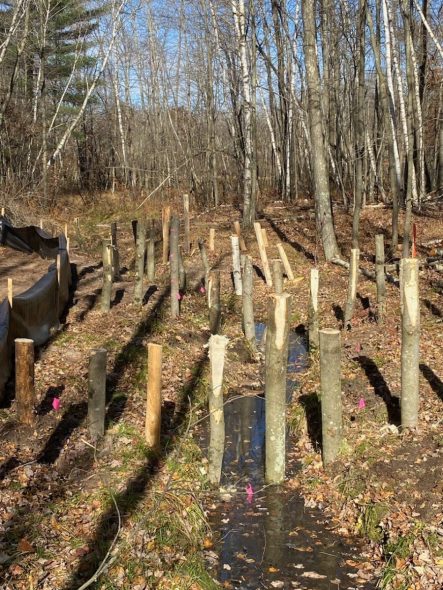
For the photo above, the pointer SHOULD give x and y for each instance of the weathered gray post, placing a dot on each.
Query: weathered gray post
(352, 286)
(97, 393)
(187, 223)
(380, 275)
(115, 253)
(217, 350)
(181, 271)
(153, 397)
(236, 265)
(107, 276)
(140, 262)
(166, 218)
(174, 268)
(24, 380)
(410, 343)
(313, 324)
(150, 259)
(248, 305)
(277, 274)
(276, 362)
(214, 301)
(206, 266)
(331, 402)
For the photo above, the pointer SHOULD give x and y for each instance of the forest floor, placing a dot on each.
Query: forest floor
(121, 517)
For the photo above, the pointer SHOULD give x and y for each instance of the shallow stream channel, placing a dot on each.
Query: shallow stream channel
(265, 536)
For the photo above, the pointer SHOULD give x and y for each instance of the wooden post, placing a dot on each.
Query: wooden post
(278, 276)
(10, 292)
(139, 262)
(107, 276)
(284, 259)
(66, 230)
(214, 301)
(204, 257)
(115, 253)
(150, 260)
(181, 271)
(380, 275)
(352, 286)
(68, 245)
(265, 237)
(236, 265)
(41, 223)
(153, 397)
(3, 211)
(174, 268)
(211, 239)
(166, 219)
(410, 344)
(313, 323)
(24, 380)
(237, 229)
(331, 402)
(276, 362)
(187, 225)
(217, 350)
(263, 255)
(97, 393)
(248, 305)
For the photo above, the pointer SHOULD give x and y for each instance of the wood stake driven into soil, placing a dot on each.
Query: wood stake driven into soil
(10, 292)
(115, 253)
(24, 380)
(277, 273)
(284, 259)
(217, 350)
(313, 323)
(187, 223)
(236, 265)
(214, 301)
(263, 255)
(237, 229)
(166, 219)
(105, 302)
(153, 399)
(352, 286)
(97, 393)
(150, 258)
(211, 239)
(247, 301)
(331, 402)
(139, 262)
(174, 268)
(380, 275)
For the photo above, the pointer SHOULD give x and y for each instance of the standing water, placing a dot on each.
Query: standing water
(267, 538)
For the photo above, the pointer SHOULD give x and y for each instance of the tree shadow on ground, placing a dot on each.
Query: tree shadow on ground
(45, 406)
(433, 308)
(381, 388)
(312, 408)
(72, 418)
(338, 312)
(149, 293)
(284, 238)
(118, 297)
(90, 301)
(434, 381)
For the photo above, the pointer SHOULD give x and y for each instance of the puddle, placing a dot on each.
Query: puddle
(267, 538)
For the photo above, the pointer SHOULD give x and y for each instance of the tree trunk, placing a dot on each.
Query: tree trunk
(140, 262)
(153, 396)
(331, 402)
(217, 350)
(174, 268)
(248, 305)
(24, 380)
(313, 323)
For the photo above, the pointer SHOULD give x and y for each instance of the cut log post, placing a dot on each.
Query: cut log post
(207, 268)
(10, 292)
(3, 211)
(174, 268)
(187, 224)
(211, 239)
(265, 237)
(66, 230)
(276, 362)
(97, 393)
(166, 220)
(68, 245)
(41, 223)
(139, 262)
(236, 265)
(410, 344)
(150, 258)
(263, 255)
(237, 229)
(331, 402)
(217, 350)
(214, 301)
(105, 303)
(277, 273)
(115, 253)
(24, 380)
(153, 398)
(352, 286)
(380, 275)
(248, 305)
(181, 271)
(313, 323)
(285, 261)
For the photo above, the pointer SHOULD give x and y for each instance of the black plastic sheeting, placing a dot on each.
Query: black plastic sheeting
(35, 313)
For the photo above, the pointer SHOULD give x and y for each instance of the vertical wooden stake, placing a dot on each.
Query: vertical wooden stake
(139, 262)
(187, 224)
(97, 393)
(181, 271)
(68, 244)
(115, 253)
(174, 268)
(380, 275)
(3, 211)
(10, 292)
(166, 219)
(284, 259)
(66, 230)
(107, 276)
(352, 286)
(41, 223)
(331, 402)
(150, 262)
(211, 239)
(153, 398)
(278, 276)
(313, 323)
(24, 380)
(236, 265)
(265, 237)
(237, 229)
(214, 301)
(248, 306)
(263, 255)
(276, 362)
(207, 268)
(410, 344)
(217, 350)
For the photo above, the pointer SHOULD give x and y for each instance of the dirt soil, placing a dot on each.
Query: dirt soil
(118, 515)
(24, 270)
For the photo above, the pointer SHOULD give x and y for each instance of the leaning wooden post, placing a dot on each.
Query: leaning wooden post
(214, 301)
(331, 402)
(217, 350)
(352, 286)
(107, 276)
(263, 255)
(313, 323)
(278, 276)
(139, 262)
(211, 239)
(380, 275)
(10, 292)
(187, 223)
(410, 343)
(237, 229)
(265, 237)
(276, 362)
(236, 265)
(115, 253)
(97, 393)
(174, 268)
(153, 398)
(284, 259)
(166, 219)
(248, 305)
(24, 380)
